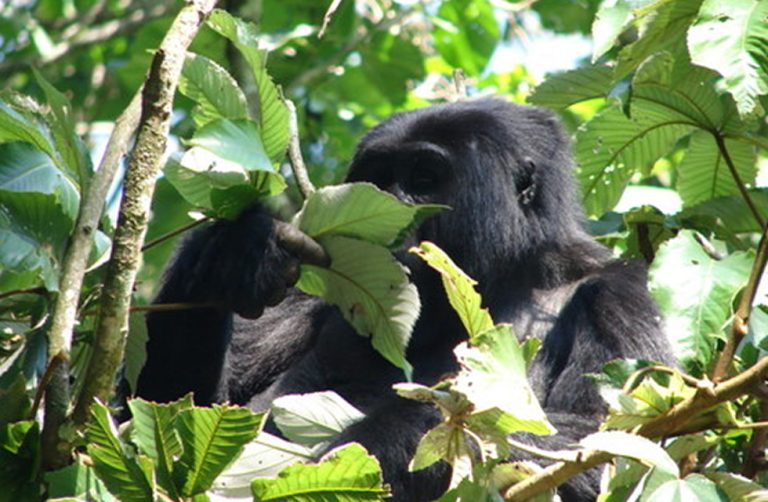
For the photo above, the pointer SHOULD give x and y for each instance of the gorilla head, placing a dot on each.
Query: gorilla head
(504, 169)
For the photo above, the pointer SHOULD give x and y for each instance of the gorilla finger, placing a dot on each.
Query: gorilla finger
(292, 272)
(300, 244)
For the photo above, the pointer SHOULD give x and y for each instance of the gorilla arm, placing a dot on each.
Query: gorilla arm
(228, 267)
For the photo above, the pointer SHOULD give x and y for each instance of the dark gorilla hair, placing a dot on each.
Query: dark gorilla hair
(515, 226)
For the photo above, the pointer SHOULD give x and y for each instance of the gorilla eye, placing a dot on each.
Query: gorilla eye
(422, 180)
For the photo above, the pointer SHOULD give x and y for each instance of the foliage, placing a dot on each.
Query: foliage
(674, 99)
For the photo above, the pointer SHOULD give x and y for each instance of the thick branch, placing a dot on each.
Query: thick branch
(145, 165)
(664, 425)
(75, 263)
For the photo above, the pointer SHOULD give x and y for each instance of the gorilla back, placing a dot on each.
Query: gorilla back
(515, 226)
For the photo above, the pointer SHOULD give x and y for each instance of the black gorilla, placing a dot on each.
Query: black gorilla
(515, 226)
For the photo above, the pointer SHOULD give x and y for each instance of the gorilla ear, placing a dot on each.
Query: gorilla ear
(525, 182)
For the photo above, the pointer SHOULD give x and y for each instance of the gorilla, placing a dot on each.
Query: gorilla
(515, 226)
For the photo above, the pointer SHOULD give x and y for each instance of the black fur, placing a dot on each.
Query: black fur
(515, 226)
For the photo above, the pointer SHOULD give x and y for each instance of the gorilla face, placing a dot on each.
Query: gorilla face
(490, 162)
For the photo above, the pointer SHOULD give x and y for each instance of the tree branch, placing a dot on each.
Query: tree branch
(57, 398)
(739, 326)
(664, 425)
(294, 153)
(146, 162)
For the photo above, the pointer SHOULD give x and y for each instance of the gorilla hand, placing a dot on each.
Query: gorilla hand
(245, 264)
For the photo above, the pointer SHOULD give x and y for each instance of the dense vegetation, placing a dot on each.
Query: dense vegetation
(669, 127)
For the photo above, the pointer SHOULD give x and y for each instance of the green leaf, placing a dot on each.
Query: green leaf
(445, 442)
(611, 148)
(493, 377)
(77, 480)
(38, 207)
(154, 432)
(213, 89)
(630, 445)
(211, 439)
(695, 293)
(309, 419)
(125, 477)
(273, 114)
(704, 173)
(737, 487)
(460, 288)
(76, 159)
(731, 211)
(263, 457)
(663, 29)
(20, 460)
(562, 90)
(345, 475)
(372, 291)
(613, 17)
(466, 34)
(225, 155)
(731, 38)
(362, 211)
(693, 487)
(15, 126)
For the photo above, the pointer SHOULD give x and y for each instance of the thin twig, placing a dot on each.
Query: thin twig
(360, 38)
(737, 179)
(174, 233)
(460, 84)
(294, 153)
(27, 291)
(328, 16)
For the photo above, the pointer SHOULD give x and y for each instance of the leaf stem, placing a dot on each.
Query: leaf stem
(294, 153)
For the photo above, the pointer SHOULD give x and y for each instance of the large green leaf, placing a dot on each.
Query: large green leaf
(662, 29)
(211, 438)
(372, 291)
(632, 446)
(309, 419)
(693, 487)
(15, 126)
(732, 211)
(610, 148)
(704, 173)
(213, 89)
(345, 475)
(154, 432)
(362, 211)
(38, 207)
(273, 114)
(466, 34)
(60, 118)
(613, 17)
(225, 156)
(126, 477)
(493, 377)
(264, 457)
(695, 293)
(459, 287)
(732, 39)
(565, 89)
